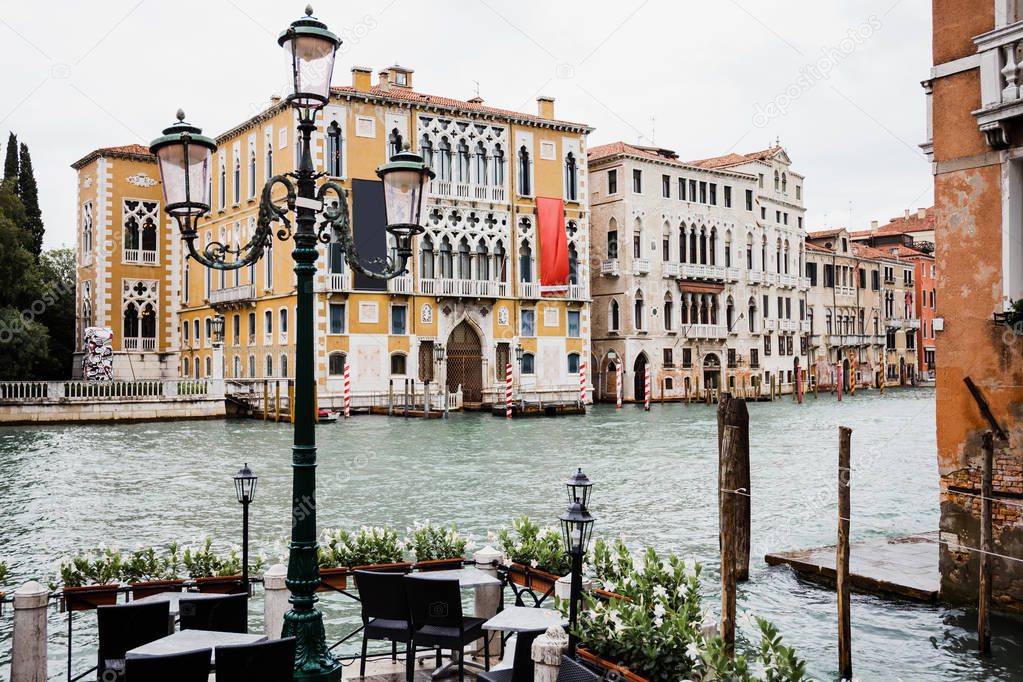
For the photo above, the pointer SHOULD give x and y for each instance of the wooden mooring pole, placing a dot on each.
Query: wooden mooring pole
(842, 555)
(732, 412)
(986, 492)
(726, 523)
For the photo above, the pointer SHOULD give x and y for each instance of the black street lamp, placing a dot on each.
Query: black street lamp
(245, 489)
(218, 329)
(184, 156)
(576, 531)
(519, 351)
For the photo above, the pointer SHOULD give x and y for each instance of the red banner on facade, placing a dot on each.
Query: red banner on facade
(553, 246)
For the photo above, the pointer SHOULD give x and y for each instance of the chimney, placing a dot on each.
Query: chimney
(545, 107)
(907, 213)
(873, 224)
(921, 213)
(361, 77)
(384, 80)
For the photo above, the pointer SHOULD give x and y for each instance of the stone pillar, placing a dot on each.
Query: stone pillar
(488, 598)
(217, 376)
(28, 655)
(547, 651)
(275, 600)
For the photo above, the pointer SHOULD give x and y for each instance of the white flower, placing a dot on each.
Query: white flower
(693, 651)
(659, 610)
(660, 592)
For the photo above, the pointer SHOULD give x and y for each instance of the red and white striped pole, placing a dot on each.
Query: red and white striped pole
(646, 388)
(508, 384)
(348, 390)
(618, 386)
(582, 383)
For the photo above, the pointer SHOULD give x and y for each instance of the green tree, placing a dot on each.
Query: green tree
(20, 280)
(24, 346)
(28, 192)
(58, 296)
(11, 162)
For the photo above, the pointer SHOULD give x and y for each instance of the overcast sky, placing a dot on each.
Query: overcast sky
(837, 82)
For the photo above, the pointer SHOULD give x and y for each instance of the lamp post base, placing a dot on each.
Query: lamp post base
(313, 661)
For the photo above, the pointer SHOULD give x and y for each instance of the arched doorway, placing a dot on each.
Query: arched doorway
(639, 377)
(465, 362)
(711, 371)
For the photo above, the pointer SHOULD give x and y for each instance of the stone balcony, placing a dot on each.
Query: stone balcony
(845, 291)
(786, 281)
(698, 271)
(640, 266)
(472, 288)
(705, 331)
(400, 285)
(465, 191)
(755, 276)
(233, 296)
(770, 325)
(609, 267)
(339, 282)
(732, 274)
(671, 270)
(1001, 70)
(804, 326)
(788, 325)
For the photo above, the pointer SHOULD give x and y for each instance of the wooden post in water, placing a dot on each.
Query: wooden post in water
(772, 387)
(732, 413)
(986, 492)
(842, 555)
(266, 399)
(426, 399)
(291, 401)
(726, 524)
(405, 410)
(316, 405)
(390, 397)
(277, 400)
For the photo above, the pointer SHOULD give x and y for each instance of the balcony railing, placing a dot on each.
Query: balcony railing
(804, 326)
(787, 281)
(803, 283)
(788, 325)
(913, 324)
(894, 323)
(640, 266)
(609, 267)
(238, 294)
(732, 274)
(670, 270)
(139, 343)
(771, 279)
(467, 191)
(529, 290)
(1001, 70)
(339, 281)
(705, 331)
(697, 271)
(140, 256)
(845, 291)
(474, 288)
(400, 285)
(755, 276)
(770, 325)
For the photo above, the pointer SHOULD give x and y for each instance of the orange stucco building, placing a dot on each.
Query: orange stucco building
(976, 145)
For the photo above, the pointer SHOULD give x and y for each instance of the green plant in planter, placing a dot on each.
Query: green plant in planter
(102, 567)
(428, 542)
(369, 546)
(657, 631)
(530, 544)
(205, 563)
(142, 565)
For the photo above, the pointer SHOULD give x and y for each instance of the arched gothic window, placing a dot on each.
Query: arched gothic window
(426, 258)
(482, 177)
(426, 146)
(462, 165)
(498, 166)
(444, 173)
(571, 178)
(614, 316)
(446, 262)
(669, 312)
(525, 262)
(752, 312)
(252, 172)
(464, 261)
(523, 172)
(334, 150)
(500, 262)
(573, 265)
(638, 310)
(482, 261)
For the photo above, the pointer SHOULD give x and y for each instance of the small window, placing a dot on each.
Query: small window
(573, 363)
(573, 323)
(666, 186)
(637, 181)
(612, 182)
(528, 322)
(527, 363)
(336, 364)
(398, 363)
(337, 318)
(399, 319)
(401, 78)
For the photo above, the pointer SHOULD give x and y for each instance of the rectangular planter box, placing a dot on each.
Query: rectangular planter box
(439, 564)
(140, 590)
(533, 578)
(401, 567)
(333, 577)
(609, 667)
(231, 584)
(89, 597)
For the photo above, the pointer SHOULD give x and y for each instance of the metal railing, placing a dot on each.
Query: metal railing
(482, 288)
(88, 391)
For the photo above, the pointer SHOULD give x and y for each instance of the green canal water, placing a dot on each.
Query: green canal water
(69, 488)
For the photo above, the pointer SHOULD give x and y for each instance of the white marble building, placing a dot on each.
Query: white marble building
(697, 271)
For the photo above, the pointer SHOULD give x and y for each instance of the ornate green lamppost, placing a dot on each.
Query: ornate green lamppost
(321, 216)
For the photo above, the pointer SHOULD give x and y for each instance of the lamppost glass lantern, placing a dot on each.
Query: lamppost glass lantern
(438, 352)
(184, 156)
(245, 484)
(312, 48)
(519, 350)
(579, 487)
(404, 179)
(218, 328)
(576, 529)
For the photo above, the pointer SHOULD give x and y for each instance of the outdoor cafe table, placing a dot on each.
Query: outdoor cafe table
(174, 600)
(190, 640)
(488, 598)
(525, 619)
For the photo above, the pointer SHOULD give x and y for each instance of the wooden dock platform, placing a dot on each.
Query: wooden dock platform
(539, 409)
(904, 567)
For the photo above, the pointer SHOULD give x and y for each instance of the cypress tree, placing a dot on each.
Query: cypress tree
(11, 162)
(28, 192)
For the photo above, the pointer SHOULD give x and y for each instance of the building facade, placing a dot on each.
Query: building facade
(473, 284)
(697, 271)
(862, 319)
(975, 145)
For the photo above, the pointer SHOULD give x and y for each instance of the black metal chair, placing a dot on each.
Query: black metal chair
(522, 661)
(271, 661)
(435, 607)
(570, 671)
(124, 627)
(385, 614)
(190, 666)
(229, 613)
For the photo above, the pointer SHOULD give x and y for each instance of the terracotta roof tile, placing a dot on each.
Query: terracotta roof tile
(911, 223)
(402, 94)
(136, 151)
(824, 234)
(734, 159)
(810, 246)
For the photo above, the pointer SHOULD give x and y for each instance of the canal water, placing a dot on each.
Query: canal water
(77, 487)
